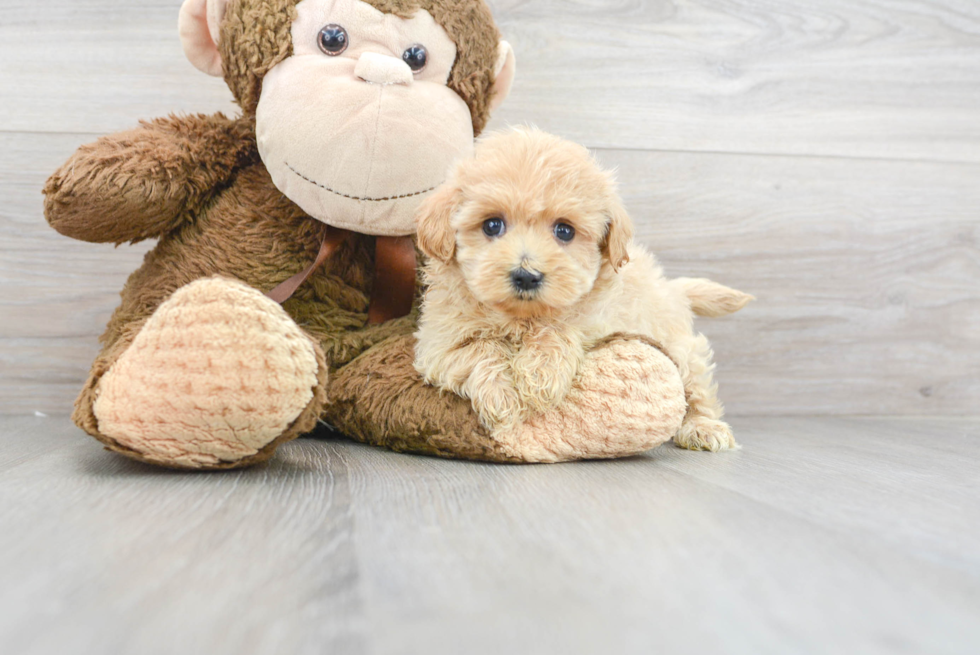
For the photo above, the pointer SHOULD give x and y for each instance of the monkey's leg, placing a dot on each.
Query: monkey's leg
(217, 377)
(627, 399)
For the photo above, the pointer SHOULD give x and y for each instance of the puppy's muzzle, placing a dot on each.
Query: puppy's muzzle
(526, 281)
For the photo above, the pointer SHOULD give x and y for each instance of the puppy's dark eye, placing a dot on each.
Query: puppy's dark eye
(333, 40)
(494, 227)
(564, 232)
(416, 57)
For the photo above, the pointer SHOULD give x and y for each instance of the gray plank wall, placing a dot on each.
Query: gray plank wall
(823, 156)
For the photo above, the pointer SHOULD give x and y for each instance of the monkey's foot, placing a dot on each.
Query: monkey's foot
(628, 398)
(217, 378)
(702, 433)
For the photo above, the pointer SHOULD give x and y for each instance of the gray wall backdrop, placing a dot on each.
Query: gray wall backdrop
(822, 156)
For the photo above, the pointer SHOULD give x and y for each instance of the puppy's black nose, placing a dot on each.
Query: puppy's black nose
(525, 280)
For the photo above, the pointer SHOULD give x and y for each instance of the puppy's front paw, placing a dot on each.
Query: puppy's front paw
(545, 370)
(701, 433)
(498, 405)
(542, 390)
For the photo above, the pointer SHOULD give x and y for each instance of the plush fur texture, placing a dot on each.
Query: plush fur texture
(198, 185)
(515, 352)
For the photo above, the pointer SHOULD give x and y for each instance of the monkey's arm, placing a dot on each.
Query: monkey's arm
(143, 183)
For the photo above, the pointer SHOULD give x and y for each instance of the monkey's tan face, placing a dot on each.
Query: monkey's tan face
(358, 126)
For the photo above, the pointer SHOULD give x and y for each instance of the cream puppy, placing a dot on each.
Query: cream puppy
(530, 262)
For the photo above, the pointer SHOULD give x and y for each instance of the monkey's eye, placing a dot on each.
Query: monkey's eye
(494, 227)
(564, 232)
(416, 57)
(333, 40)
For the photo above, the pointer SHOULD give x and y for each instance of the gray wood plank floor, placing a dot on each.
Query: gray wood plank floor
(819, 536)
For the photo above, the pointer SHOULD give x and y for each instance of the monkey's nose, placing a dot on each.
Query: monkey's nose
(382, 69)
(525, 280)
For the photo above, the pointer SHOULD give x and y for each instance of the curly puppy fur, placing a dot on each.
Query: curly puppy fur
(515, 351)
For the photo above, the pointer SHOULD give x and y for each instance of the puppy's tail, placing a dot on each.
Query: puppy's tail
(709, 298)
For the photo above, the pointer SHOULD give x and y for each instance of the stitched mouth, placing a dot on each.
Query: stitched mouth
(358, 198)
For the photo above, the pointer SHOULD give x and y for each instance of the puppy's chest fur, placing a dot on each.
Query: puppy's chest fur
(457, 320)
(516, 334)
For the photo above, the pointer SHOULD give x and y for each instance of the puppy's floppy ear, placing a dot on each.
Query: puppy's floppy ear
(619, 233)
(436, 237)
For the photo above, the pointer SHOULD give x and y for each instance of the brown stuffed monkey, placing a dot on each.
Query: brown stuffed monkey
(272, 298)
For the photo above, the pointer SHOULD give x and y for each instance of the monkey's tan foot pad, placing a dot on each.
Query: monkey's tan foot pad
(216, 376)
(627, 399)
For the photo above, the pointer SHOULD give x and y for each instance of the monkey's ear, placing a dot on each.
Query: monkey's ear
(619, 234)
(436, 237)
(503, 74)
(200, 29)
